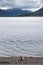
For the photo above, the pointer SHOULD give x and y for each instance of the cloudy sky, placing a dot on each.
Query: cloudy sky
(21, 3)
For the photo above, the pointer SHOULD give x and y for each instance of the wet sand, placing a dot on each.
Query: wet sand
(19, 61)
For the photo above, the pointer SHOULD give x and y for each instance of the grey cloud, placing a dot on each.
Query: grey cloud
(21, 3)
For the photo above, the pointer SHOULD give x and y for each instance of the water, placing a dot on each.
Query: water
(21, 36)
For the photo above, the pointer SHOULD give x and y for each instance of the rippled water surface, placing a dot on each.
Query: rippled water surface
(21, 36)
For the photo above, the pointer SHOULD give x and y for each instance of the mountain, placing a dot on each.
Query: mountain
(38, 13)
(19, 12)
(14, 12)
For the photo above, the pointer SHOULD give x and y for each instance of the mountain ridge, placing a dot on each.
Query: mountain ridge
(38, 13)
(13, 12)
(19, 12)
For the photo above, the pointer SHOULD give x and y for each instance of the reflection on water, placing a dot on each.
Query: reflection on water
(20, 36)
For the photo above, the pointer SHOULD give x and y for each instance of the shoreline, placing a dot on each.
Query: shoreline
(25, 60)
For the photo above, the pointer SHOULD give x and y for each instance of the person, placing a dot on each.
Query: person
(20, 58)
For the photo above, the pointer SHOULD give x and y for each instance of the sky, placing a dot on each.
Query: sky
(24, 4)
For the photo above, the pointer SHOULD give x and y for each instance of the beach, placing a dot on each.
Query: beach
(24, 61)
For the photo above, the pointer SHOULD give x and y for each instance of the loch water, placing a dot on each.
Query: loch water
(21, 36)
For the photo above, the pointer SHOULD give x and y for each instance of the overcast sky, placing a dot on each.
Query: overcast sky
(21, 3)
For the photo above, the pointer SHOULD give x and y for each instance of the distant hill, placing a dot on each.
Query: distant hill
(19, 12)
(14, 12)
(38, 13)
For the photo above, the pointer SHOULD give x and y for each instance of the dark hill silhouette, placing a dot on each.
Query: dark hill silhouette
(14, 12)
(38, 13)
(19, 12)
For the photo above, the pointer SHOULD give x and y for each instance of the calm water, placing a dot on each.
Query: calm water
(21, 36)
